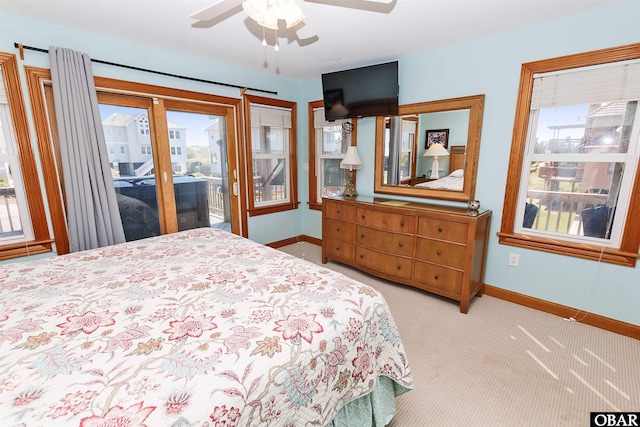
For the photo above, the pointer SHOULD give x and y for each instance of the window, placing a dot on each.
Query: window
(272, 154)
(576, 151)
(219, 116)
(122, 149)
(173, 151)
(23, 227)
(406, 158)
(328, 143)
(174, 134)
(143, 125)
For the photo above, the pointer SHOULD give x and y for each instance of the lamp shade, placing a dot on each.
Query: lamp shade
(351, 159)
(435, 150)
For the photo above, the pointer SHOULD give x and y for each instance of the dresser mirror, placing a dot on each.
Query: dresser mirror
(449, 129)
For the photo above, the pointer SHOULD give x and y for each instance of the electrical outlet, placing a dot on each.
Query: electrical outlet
(514, 259)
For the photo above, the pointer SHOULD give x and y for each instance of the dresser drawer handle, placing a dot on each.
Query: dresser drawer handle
(401, 223)
(400, 244)
(337, 228)
(362, 216)
(337, 248)
(435, 277)
(438, 253)
(338, 211)
(361, 256)
(398, 267)
(439, 229)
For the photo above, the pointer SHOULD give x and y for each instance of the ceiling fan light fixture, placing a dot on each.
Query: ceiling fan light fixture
(268, 12)
(291, 13)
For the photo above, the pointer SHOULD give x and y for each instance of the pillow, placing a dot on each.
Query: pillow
(458, 173)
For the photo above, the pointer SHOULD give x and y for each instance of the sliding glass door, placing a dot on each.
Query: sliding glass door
(200, 167)
(131, 146)
(169, 161)
(203, 137)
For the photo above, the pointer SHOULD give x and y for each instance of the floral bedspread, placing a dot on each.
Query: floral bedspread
(197, 328)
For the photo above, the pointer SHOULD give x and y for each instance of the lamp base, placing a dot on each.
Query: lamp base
(350, 188)
(350, 192)
(434, 169)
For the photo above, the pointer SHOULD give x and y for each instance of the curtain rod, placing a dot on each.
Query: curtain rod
(37, 49)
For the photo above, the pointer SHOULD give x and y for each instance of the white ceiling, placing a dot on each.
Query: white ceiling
(346, 37)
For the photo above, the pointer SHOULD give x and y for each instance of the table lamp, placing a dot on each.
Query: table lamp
(351, 161)
(436, 149)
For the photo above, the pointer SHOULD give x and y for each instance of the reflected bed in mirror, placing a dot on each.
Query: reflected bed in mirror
(445, 172)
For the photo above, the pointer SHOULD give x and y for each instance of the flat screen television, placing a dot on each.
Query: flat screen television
(361, 92)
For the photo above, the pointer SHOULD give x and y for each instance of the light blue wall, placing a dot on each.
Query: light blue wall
(13, 28)
(489, 66)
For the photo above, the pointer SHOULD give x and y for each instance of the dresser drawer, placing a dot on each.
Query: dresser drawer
(393, 243)
(441, 252)
(384, 263)
(442, 229)
(435, 278)
(386, 221)
(340, 211)
(338, 249)
(339, 229)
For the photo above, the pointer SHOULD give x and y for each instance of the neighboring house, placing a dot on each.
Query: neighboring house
(601, 135)
(129, 144)
(215, 137)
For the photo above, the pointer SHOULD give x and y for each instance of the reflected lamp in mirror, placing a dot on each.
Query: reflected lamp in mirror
(351, 162)
(435, 150)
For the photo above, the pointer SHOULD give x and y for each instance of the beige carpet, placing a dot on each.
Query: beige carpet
(501, 364)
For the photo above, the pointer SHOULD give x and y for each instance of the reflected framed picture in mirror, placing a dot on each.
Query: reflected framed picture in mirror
(440, 136)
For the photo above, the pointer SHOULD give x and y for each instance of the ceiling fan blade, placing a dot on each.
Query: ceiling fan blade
(381, 6)
(218, 8)
(305, 34)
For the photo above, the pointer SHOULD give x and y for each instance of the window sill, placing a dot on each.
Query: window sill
(19, 250)
(315, 206)
(272, 209)
(590, 252)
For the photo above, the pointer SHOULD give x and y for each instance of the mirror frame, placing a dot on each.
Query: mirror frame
(475, 104)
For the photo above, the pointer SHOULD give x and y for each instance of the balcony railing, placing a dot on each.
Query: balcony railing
(561, 212)
(216, 197)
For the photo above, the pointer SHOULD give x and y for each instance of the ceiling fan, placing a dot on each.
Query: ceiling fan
(273, 14)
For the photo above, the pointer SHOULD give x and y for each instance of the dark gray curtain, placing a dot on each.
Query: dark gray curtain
(93, 218)
(395, 148)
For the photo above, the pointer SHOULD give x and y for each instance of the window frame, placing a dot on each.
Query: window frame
(314, 181)
(292, 173)
(37, 81)
(627, 253)
(41, 241)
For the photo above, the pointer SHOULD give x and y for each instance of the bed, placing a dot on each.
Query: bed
(453, 181)
(196, 328)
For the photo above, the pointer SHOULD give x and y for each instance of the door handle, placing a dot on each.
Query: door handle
(235, 188)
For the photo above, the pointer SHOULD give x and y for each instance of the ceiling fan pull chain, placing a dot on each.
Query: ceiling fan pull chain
(277, 48)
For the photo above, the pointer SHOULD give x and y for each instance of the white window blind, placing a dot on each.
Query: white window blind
(270, 116)
(320, 122)
(613, 82)
(408, 126)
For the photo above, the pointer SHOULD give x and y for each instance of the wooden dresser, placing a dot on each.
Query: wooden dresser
(440, 249)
